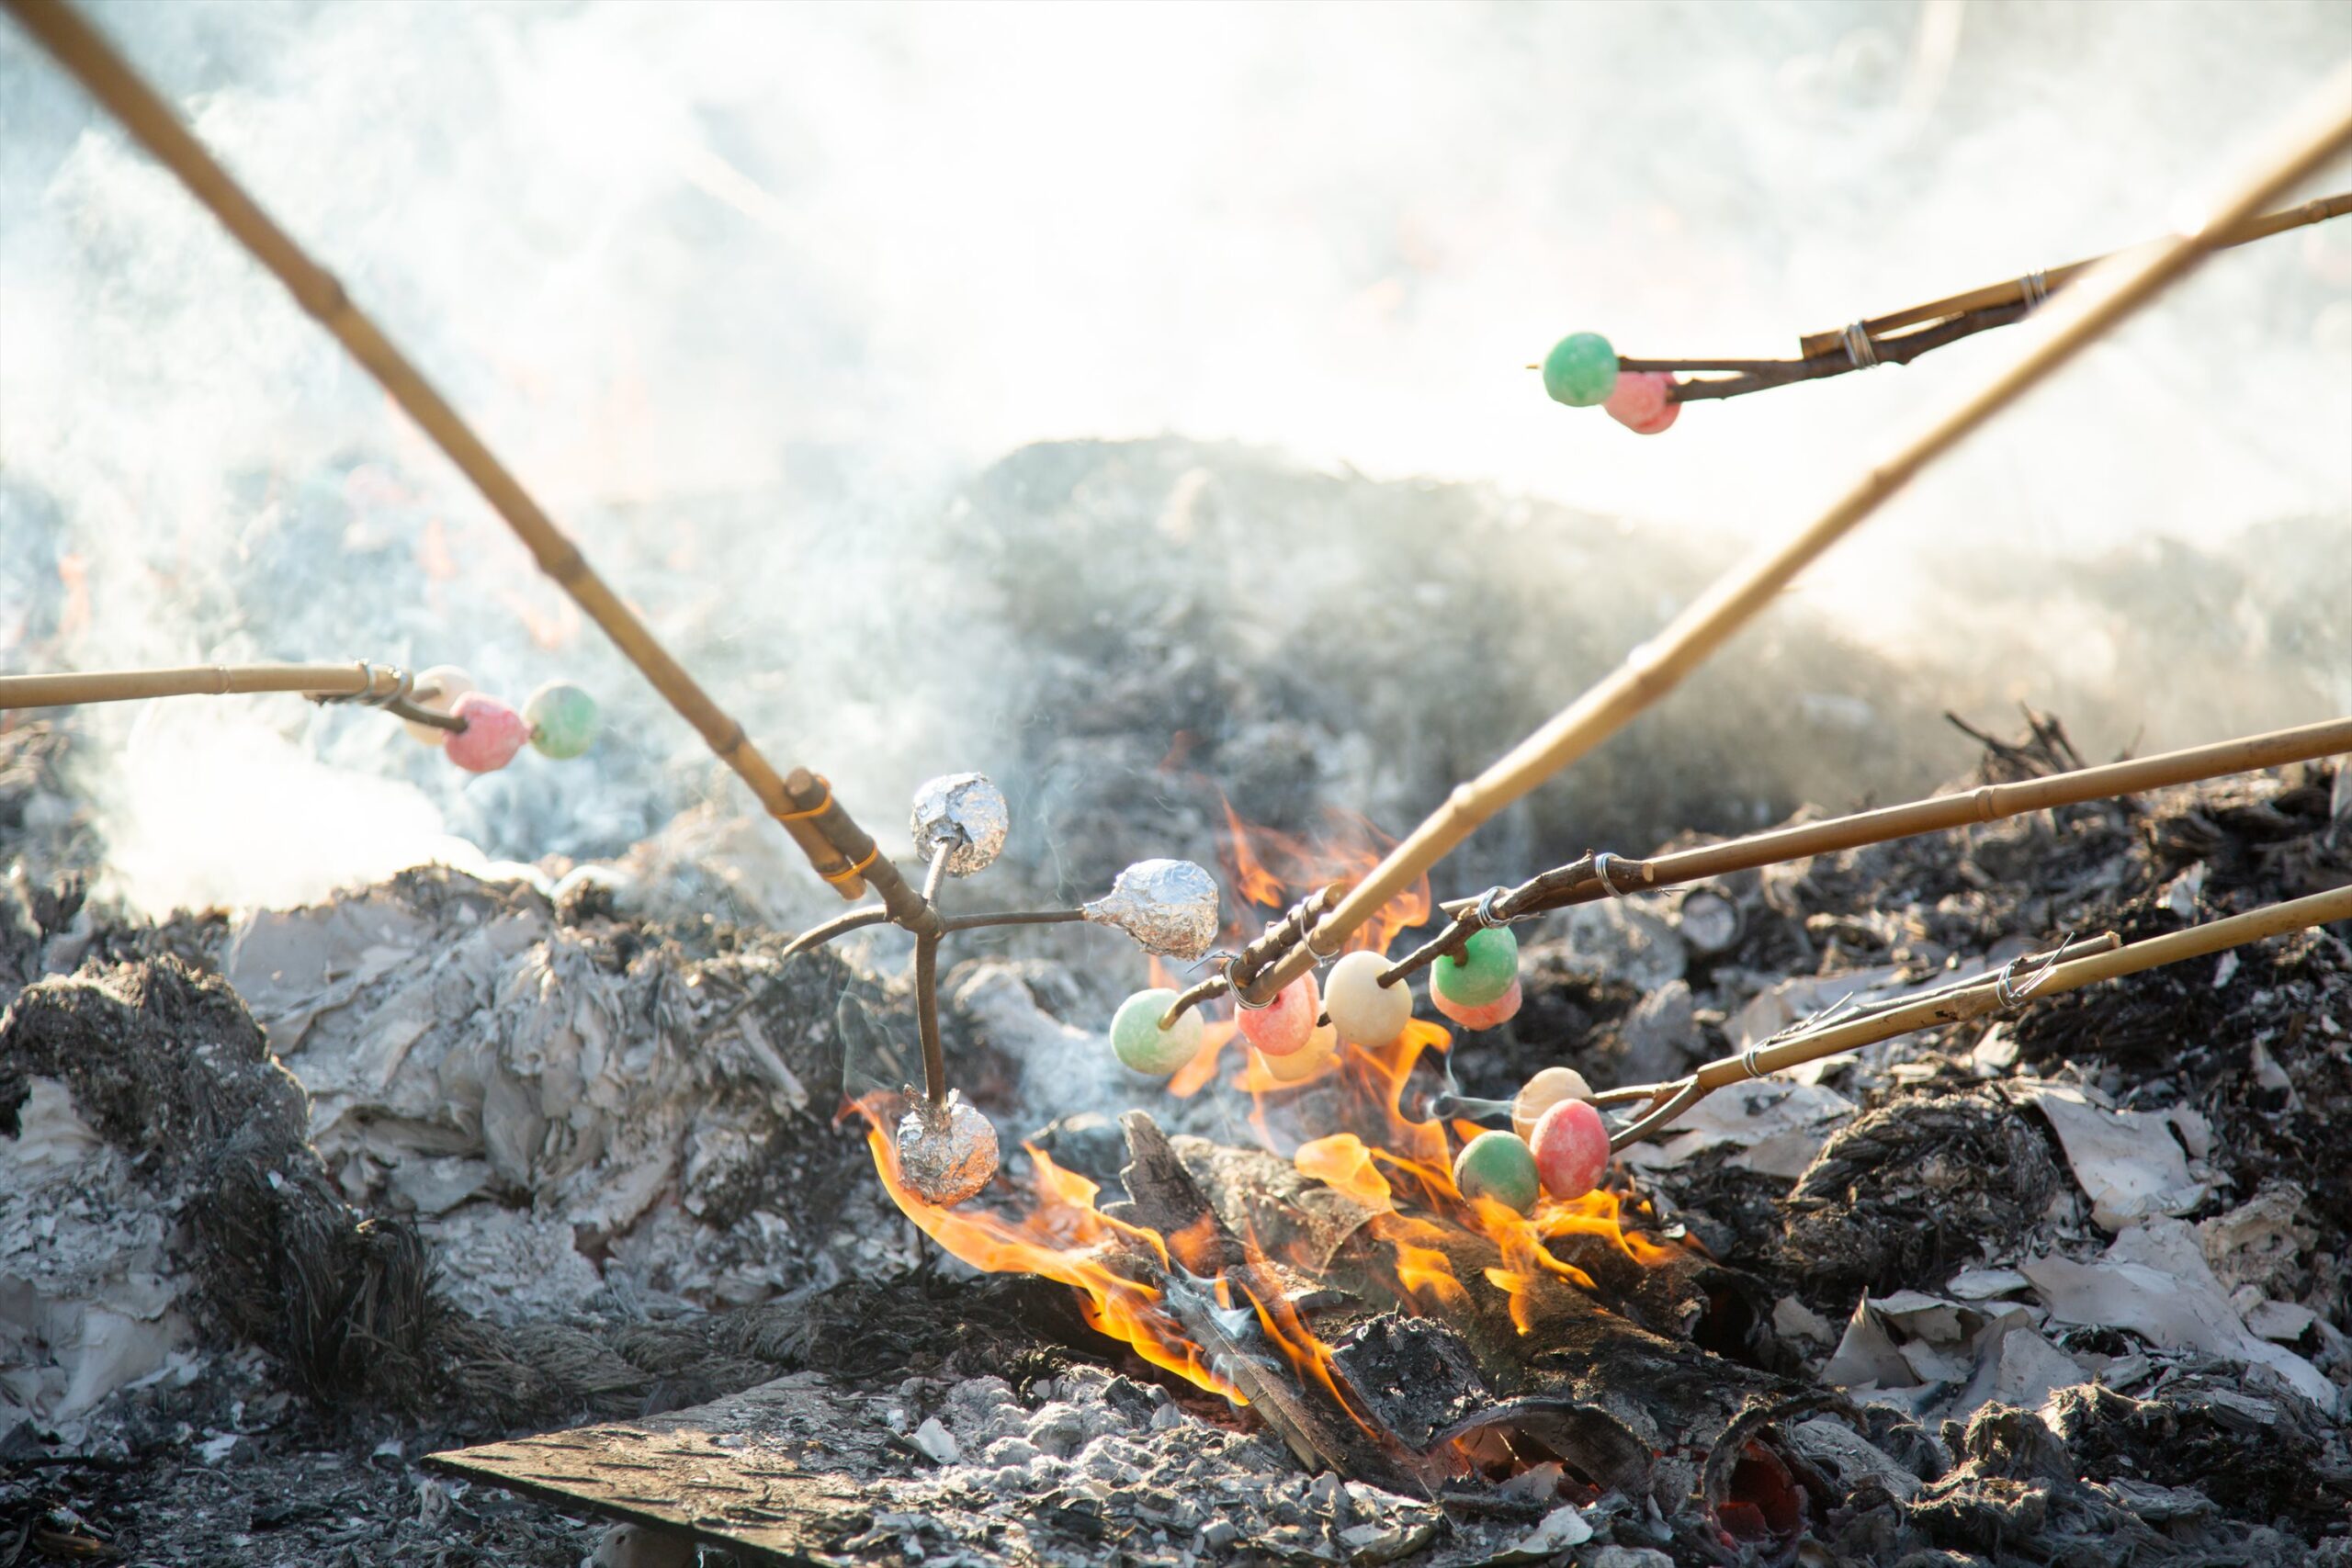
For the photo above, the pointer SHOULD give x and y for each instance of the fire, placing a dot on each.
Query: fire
(1060, 1237)
(1271, 871)
(1446, 1255)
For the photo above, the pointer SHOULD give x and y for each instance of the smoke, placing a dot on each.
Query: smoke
(748, 294)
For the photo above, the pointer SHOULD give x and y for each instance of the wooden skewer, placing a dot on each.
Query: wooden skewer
(1672, 1099)
(1656, 666)
(2014, 290)
(110, 79)
(1580, 881)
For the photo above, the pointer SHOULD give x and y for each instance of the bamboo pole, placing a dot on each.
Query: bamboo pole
(110, 79)
(75, 687)
(1580, 881)
(1973, 1002)
(1656, 666)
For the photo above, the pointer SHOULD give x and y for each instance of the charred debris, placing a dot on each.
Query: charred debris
(302, 1197)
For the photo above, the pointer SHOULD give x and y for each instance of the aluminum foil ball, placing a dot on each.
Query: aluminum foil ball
(965, 815)
(1168, 906)
(945, 1154)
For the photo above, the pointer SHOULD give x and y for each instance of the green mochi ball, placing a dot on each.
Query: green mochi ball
(1141, 1043)
(1581, 370)
(1489, 965)
(1497, 1166)
(563, 719)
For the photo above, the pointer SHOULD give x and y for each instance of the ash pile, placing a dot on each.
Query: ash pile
(554, 1169)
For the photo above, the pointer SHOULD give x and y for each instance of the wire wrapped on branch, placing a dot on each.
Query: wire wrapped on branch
(1898, 337)
(385, 686)
(1603, 875)
(2002, 992)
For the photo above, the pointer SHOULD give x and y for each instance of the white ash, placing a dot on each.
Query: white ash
(501, 1075)
(90, 1296)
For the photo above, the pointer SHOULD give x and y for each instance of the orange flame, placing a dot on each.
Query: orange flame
(1272, 870)
(1365, 1147)
(1061, 1237)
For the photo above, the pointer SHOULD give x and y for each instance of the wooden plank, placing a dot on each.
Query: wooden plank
(775, 1472)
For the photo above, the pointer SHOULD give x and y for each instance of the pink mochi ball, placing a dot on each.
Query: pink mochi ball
(1502, 1009)
(1642, 403)
(1285, 1024)
(494, 733)
(1571, 1147)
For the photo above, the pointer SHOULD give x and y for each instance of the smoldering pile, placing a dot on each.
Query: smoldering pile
(569, 1149)
(555, 1165)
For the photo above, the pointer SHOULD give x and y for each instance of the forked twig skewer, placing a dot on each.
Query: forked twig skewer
(82, 51)
(1901, 336)
(2102, 299)
(1597, 877)
(1987, 994)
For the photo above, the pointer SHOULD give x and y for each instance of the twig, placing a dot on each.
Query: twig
(1988, 994)
(1655, 667)
(1275, 940)
(1883, 340)
(1580, 881)
(110, 79)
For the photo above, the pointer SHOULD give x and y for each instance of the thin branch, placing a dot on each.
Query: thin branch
(1579, 882)
(1898, 337)
(840, 925)
(1986, 995)
(1010, 918)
